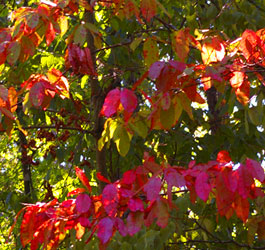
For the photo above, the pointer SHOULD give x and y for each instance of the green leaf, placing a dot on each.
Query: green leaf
(122, 139)
(135, 43)
(13, 52)
(256, 114)
(80, 34)
(168, 117)
(139, 126)
(150, 51)
(32, 20)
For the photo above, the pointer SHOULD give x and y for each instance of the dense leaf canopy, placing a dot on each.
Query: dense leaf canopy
(132, 124)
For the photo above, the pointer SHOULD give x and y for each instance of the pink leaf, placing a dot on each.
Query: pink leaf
(230, 179)
(256, 169)
(111, 103)
(136, 204)
(152, 188)
(128, 100)
(202, 187)
(83, 203)
(155, 69)
(173, 178)
(119, 224)
(245, 180)
(179, 66)
(162, 213)
(135, 222)
(110, 198)
(37, 94)
(105, 230)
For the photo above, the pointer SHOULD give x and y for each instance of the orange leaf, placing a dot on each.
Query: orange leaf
(80, 230)
(83, 178)
(50, 34)
(181, 44)
(237, 79)
(241, 207)
(248, 43)
(242, 93)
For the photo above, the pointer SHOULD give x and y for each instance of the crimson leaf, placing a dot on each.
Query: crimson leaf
(111, 103)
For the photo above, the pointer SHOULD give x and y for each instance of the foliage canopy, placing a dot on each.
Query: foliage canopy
(132, 123)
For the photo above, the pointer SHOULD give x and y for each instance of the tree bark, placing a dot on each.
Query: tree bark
(212, 98)
(97, 98)
(28, 187)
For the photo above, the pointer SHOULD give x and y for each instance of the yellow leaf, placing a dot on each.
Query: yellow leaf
(63, 22)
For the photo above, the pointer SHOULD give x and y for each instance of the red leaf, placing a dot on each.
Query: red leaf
(223, 157)
(202, 186)
(152, 188)
(110, 199)
(50, 34)
(111, 103)
(83, 178)
(89, 62)
(129, 177)
(134, 222)
(192, 94)
(230, 178)
(76, 191)
(3, 53)
(128, 100)
(85, 222)
(105, 230)
(256, 169)
(27, 228)
(136, 204)
(148, 9)
(102, 178)
(83, 203)
(224, 197)
(155, 69)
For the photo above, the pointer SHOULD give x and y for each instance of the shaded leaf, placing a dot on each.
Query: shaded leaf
(152, 188)
(105, 230)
